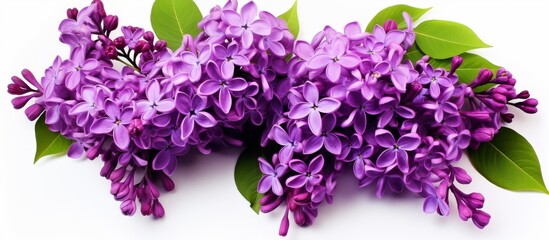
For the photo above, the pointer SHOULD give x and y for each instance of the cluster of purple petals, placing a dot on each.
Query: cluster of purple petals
(140, 107)
(355, 103)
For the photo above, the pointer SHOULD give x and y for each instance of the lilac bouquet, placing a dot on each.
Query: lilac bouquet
(372, 104)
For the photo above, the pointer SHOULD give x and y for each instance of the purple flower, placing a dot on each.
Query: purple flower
(153, 104)
(115, 122)
(360, 159)
(196, 62)
(166, 158)
(396, 151)
(312, 107)
(436, 199)
(359, 114)
(390, 107)
(132, 35)
(272, 42)
(244, 25)
(77, 66)
(308, 176)
(271, 180)
(225, 86)
(442, 105)
(327, 138)
(435, 79)
(333, 59)
(194, 111)
(290, 142)
(230, 56)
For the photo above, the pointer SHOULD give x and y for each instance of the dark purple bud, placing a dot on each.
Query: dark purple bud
(30, 78)
(500, 90)
(157, 209)
(524, 94)
(119, 43)
(475, 200)
(302, 197)
(284, 224)
(528, 109)
(464, 211)
(269, 206)
(118, 174)
(115, 187)
(414, 89)
(167, 182)
(456, 62)
(111, 52)
(72, 13)
(188, 43)
(160, 45)
(34, 111)
(100, 8)
(390, 25)
(507, 117)
(124, 191)
(141, 46)
(483, 134)
(484, 76)
(17, 81)
(136, 126)
(13, 89)
(128, 207)
(461, 175)
(499, 98)
(531, 102)
(512, 81)
(93, 152)
(20, 102)
(110, 23)
(149, 36)
(481, 219)
(146, 207)
(478, 115)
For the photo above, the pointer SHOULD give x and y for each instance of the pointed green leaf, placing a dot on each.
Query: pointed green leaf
(395, 13)
(171, 19)
(510, 162)
(468, 71)
(247, 175)
(48, 142)
(444, 39)
(292, 19)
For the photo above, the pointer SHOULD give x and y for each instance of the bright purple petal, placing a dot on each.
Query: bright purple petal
(121, 136)
(384, 138)
(387, 158)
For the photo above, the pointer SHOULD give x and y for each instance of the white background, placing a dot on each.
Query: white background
(64, 198)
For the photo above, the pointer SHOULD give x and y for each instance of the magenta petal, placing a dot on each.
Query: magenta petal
(319, 61)
(121, 137)
(313, 144)
(387, 158)
(205, 119)
(296, 181)
(102, 125)
(300, 110)
(315, 122)
(328, 105)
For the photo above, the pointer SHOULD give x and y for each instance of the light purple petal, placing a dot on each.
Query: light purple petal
(430, 205)
(205, 119)
(196, 73)
(280, 136)
(261, 27)
(298, 166)
(405, 112)
(304, 50)
(233, 18)
(296, 181)
(316, 164)
(333, 71)
(76, 150)
(265, 167)
(227, 69)
(161, 160)
(328, 105)
(209, 87)
(187, 127)
(300, 110)
(315, 122)
(358, 168)
(434, 90)
(264, 184)
(319, 61)
(349, 61)
(286, 153)
(277, 48)
(102, 125)
(121, 137)
(225, 100)
(332, 144)
(409, 141)
(148, 114)
(126, 115)
(310, 92)
(277, 187)
(111, 109)
(80, 108)
(402, 161)
(247, 38)
(240, 60)
(237, 84)
(248, 12)
(165, 105)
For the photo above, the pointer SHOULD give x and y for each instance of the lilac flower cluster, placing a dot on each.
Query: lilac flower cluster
(142, 117)
(354, 102)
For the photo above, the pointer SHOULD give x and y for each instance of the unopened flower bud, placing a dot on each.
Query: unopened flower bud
(390, 25)
(461, 175)
(72, 13)
(524, 94)
(136, 126)
(507, 117)
(464, 211)
(111, 52)
(483, 134)
(148, 36)
(475, 200)
(110, 23)
(484, 76)
(456, 62)
(141, 46)
(128, 207)
(481, 219)
(119, 43)
(157, 209)
(160, 45)
(284, 224)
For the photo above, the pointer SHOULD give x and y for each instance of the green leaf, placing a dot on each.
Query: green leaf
(509, 162)
(414, 53)
(171, 19)
(48, 142)
(395, 13)
(444, 39)
(468, 71)
(292, 19)
(247, 175)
